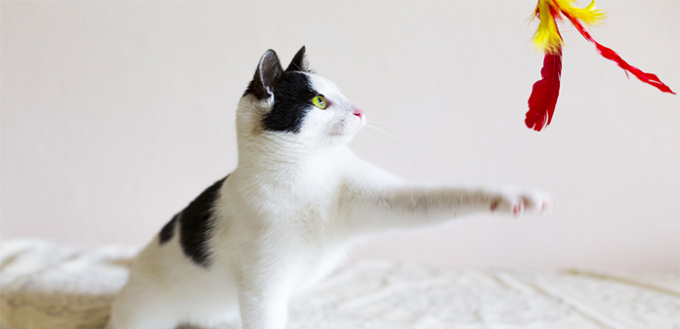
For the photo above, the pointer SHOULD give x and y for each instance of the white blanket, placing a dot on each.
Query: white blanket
(47, 286)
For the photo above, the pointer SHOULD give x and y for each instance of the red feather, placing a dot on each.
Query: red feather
(545, 92)
(607, 53)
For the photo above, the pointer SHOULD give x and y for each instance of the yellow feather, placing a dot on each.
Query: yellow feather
(588, 15)
(546, 38)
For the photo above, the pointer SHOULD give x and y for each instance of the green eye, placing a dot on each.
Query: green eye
(319, 102)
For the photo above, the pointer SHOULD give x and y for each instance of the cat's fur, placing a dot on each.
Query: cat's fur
(286, 215)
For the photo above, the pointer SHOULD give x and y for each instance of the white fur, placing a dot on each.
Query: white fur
(285, 217)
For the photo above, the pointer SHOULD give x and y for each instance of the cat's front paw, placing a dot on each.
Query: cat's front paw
(517, 202)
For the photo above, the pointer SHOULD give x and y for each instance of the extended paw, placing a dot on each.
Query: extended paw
(536, 201)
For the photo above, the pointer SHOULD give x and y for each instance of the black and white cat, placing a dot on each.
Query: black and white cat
(286, 215)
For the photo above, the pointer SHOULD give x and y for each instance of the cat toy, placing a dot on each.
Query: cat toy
(549, 40)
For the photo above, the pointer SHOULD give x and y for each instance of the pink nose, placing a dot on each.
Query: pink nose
(359, 112)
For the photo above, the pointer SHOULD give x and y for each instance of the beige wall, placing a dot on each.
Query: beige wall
(116, 114)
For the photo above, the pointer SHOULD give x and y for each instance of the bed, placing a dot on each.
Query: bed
(51, 286)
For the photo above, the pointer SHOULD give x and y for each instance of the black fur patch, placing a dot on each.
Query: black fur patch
(196, 224)
(255, 90)
(292, 90)
(168, 230)
(293, 94)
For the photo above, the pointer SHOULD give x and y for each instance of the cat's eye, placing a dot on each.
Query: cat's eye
(320, 102)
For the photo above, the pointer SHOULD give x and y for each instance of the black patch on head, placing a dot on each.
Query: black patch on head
(168, 230)
(253, 89)
(293, 94)
(292, 91)
(196, 223)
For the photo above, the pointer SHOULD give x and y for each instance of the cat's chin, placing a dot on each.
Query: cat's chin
(344, 136)
(341, 138)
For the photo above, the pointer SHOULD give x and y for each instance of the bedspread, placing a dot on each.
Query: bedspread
(49, 286)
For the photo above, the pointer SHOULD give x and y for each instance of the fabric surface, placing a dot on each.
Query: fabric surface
(48, 286)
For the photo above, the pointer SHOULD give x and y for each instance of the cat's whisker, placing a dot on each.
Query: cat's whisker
(383, 131)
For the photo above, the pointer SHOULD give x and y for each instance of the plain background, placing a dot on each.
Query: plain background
(116, 114)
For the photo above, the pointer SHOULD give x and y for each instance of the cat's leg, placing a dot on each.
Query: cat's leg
(369, 204)
(264, 291)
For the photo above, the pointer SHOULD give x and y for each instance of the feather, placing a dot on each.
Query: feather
(588, 15)
(545, 92)
(547, 37)
(607, 53)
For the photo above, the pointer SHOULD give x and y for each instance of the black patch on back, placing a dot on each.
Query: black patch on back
(196, 223)
(293, 94)
(168, 230)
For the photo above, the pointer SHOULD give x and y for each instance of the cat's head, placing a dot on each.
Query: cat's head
(296, 105)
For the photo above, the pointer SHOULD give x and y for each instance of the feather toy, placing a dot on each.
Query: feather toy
(548, 39)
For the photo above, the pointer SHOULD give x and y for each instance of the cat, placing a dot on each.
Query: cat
(285, 216)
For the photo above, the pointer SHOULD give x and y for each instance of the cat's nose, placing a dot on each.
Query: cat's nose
(359, 112)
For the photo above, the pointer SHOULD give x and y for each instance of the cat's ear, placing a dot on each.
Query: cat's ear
(268, 71)
(299, 62)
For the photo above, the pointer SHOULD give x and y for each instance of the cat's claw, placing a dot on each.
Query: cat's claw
(516, 203)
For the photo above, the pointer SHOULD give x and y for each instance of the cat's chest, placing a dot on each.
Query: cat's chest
(302, 194)
(316, 262)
